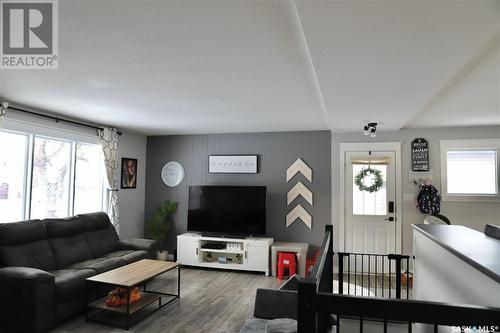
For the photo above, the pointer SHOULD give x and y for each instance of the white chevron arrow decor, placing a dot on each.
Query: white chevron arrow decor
(299, 213)
(299, 189)
(299, 166)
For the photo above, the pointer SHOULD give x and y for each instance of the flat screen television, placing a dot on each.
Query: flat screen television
(227, 210)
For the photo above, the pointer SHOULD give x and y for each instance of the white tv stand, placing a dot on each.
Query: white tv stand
(249, 254)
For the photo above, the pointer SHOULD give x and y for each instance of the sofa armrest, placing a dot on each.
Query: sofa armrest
(272, 304)
(27, 303)
(140, 244)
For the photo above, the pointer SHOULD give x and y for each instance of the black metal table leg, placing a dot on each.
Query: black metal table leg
(179, 281)
(87, 300)
(128, 307)
(94, 317)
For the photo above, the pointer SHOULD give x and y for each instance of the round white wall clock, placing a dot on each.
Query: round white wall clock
(172, 173)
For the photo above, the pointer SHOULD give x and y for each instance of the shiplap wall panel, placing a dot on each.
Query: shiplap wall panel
(277, 151)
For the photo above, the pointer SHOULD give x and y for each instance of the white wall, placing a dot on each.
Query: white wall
(132, 201)
(472, 214)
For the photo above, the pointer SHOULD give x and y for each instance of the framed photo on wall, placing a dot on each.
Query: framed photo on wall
(129, 173)
(233, 164)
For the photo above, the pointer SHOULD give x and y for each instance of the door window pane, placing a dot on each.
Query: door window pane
(51, 170)
(12, 174)
(88, 178)
(364, 202)
(471, 172)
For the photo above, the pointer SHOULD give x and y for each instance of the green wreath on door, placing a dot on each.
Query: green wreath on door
(374, 174)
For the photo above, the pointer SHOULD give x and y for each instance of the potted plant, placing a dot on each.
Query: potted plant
(159, 225)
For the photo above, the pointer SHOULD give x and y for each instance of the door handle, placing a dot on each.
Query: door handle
(390, 219)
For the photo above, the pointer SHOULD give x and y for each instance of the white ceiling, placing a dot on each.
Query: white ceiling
(170, 67)
(470, 98)
(384, 60)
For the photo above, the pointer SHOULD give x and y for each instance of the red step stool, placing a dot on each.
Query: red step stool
(286, 260)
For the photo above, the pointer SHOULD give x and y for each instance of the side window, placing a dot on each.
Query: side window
(469, 170)
(13, 171)
(50, 189)
(89, 178)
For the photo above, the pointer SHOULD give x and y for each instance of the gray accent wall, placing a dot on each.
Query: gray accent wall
(276, 152)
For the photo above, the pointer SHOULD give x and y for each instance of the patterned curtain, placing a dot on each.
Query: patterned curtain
(108, 138)
(3, 111)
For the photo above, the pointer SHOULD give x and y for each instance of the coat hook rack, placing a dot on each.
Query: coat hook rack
(420, 178)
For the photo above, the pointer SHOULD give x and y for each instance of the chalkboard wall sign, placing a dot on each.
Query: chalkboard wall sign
(419, 155)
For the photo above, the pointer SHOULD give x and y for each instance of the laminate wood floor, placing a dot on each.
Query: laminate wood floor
(212, 301)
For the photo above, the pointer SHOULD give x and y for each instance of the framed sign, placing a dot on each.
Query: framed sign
(129, 173)
(232, 164)
(419, 155)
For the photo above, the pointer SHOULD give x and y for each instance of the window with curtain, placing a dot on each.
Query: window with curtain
(46, 177)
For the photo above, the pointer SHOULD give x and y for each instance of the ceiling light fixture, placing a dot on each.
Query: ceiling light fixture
(366, 130)
(370, 129)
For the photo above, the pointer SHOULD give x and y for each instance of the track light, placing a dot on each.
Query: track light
(370, 129)
(365, 130)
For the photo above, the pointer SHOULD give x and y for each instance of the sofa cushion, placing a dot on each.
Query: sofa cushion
(100, 234)
(22, 232)
(272, 303)
(68, 309)
(118, 253)
(24, 244)
(70, 283)
(67, 241)
(100, 265)
(281, 325)
(95, 221)
(254, 325)
(68, 226)
(129, 256)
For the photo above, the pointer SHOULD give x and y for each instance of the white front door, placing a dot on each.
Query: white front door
(370, 202)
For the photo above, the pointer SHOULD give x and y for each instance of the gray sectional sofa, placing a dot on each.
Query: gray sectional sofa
(44, 264)
(275, 310)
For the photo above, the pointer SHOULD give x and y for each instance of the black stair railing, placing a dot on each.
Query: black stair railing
(370, 274)
(319, 310)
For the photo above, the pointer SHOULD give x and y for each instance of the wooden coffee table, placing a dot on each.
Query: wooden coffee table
(133, 275)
